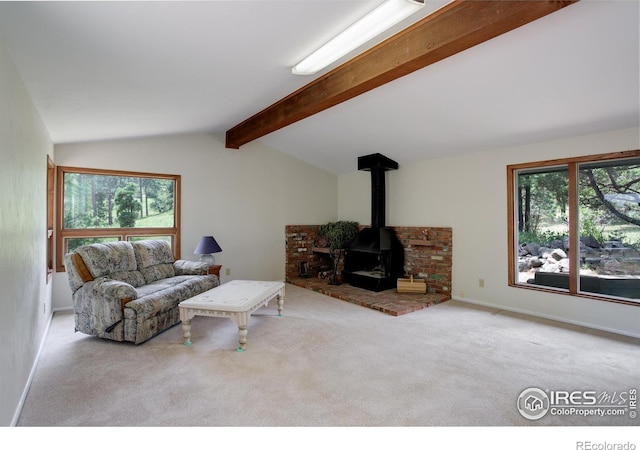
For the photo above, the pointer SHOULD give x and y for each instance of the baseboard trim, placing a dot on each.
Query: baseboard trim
(32, 373)
(546, 316)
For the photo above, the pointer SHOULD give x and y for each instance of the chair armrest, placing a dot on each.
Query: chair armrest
(113, 295)
(113, 291)
(184, 267)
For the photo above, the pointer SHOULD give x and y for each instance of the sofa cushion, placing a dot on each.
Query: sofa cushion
(150, 289)
(152, 252)
(133, 277)
(157, 272)
(165, 294)
(103, 259)
(159, 298)
(154, 259)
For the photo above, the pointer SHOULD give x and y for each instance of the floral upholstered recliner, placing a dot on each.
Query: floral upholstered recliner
(129, 291)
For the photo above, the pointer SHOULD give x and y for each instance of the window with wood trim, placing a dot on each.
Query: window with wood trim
(51, 176)
(105, 206)
(574, 226)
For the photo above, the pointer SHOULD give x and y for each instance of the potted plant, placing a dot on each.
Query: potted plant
(337, 235)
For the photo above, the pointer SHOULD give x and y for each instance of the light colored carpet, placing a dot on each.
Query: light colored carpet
(327, 362)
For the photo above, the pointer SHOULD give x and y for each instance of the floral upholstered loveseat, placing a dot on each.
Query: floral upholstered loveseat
(129, 291)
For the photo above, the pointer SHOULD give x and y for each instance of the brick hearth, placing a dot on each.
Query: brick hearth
(389, 301)
(428, 255)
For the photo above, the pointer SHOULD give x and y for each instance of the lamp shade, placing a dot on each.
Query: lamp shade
(206, 246)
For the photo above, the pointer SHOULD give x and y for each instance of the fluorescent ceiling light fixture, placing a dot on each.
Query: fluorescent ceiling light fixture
(366, 28)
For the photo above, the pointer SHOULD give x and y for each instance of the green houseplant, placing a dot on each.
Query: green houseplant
(337, 235)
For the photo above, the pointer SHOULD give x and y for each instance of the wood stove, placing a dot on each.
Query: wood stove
(374, 260)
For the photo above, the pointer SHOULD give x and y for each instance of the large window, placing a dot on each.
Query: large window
(106, 206)
(574, 226)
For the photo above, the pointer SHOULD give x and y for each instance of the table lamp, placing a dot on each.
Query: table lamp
(206, 248)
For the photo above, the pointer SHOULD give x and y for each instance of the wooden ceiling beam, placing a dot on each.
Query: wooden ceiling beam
(457, 26)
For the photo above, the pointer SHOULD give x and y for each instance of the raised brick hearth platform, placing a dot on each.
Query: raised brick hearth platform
(389, 302)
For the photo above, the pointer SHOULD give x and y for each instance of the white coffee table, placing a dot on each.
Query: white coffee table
(236, 300)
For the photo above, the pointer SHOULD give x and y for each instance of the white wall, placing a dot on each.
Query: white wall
(25, 298)
(244, 198)
(468, 193)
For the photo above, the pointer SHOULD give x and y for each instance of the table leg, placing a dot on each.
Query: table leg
(186, 328)
(280, 304)
(242, 333)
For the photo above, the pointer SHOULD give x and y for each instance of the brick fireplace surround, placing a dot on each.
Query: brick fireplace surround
(427, 254)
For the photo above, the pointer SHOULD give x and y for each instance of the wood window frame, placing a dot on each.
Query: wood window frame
(574, 232)
(120, 233)
(51, 176)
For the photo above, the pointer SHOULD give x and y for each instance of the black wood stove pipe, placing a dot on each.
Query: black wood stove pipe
(378, 165)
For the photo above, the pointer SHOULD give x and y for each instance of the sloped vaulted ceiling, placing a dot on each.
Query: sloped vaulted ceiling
(457, 26)
(117, 70)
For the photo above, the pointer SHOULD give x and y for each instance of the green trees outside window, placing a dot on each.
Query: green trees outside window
(106, 201)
